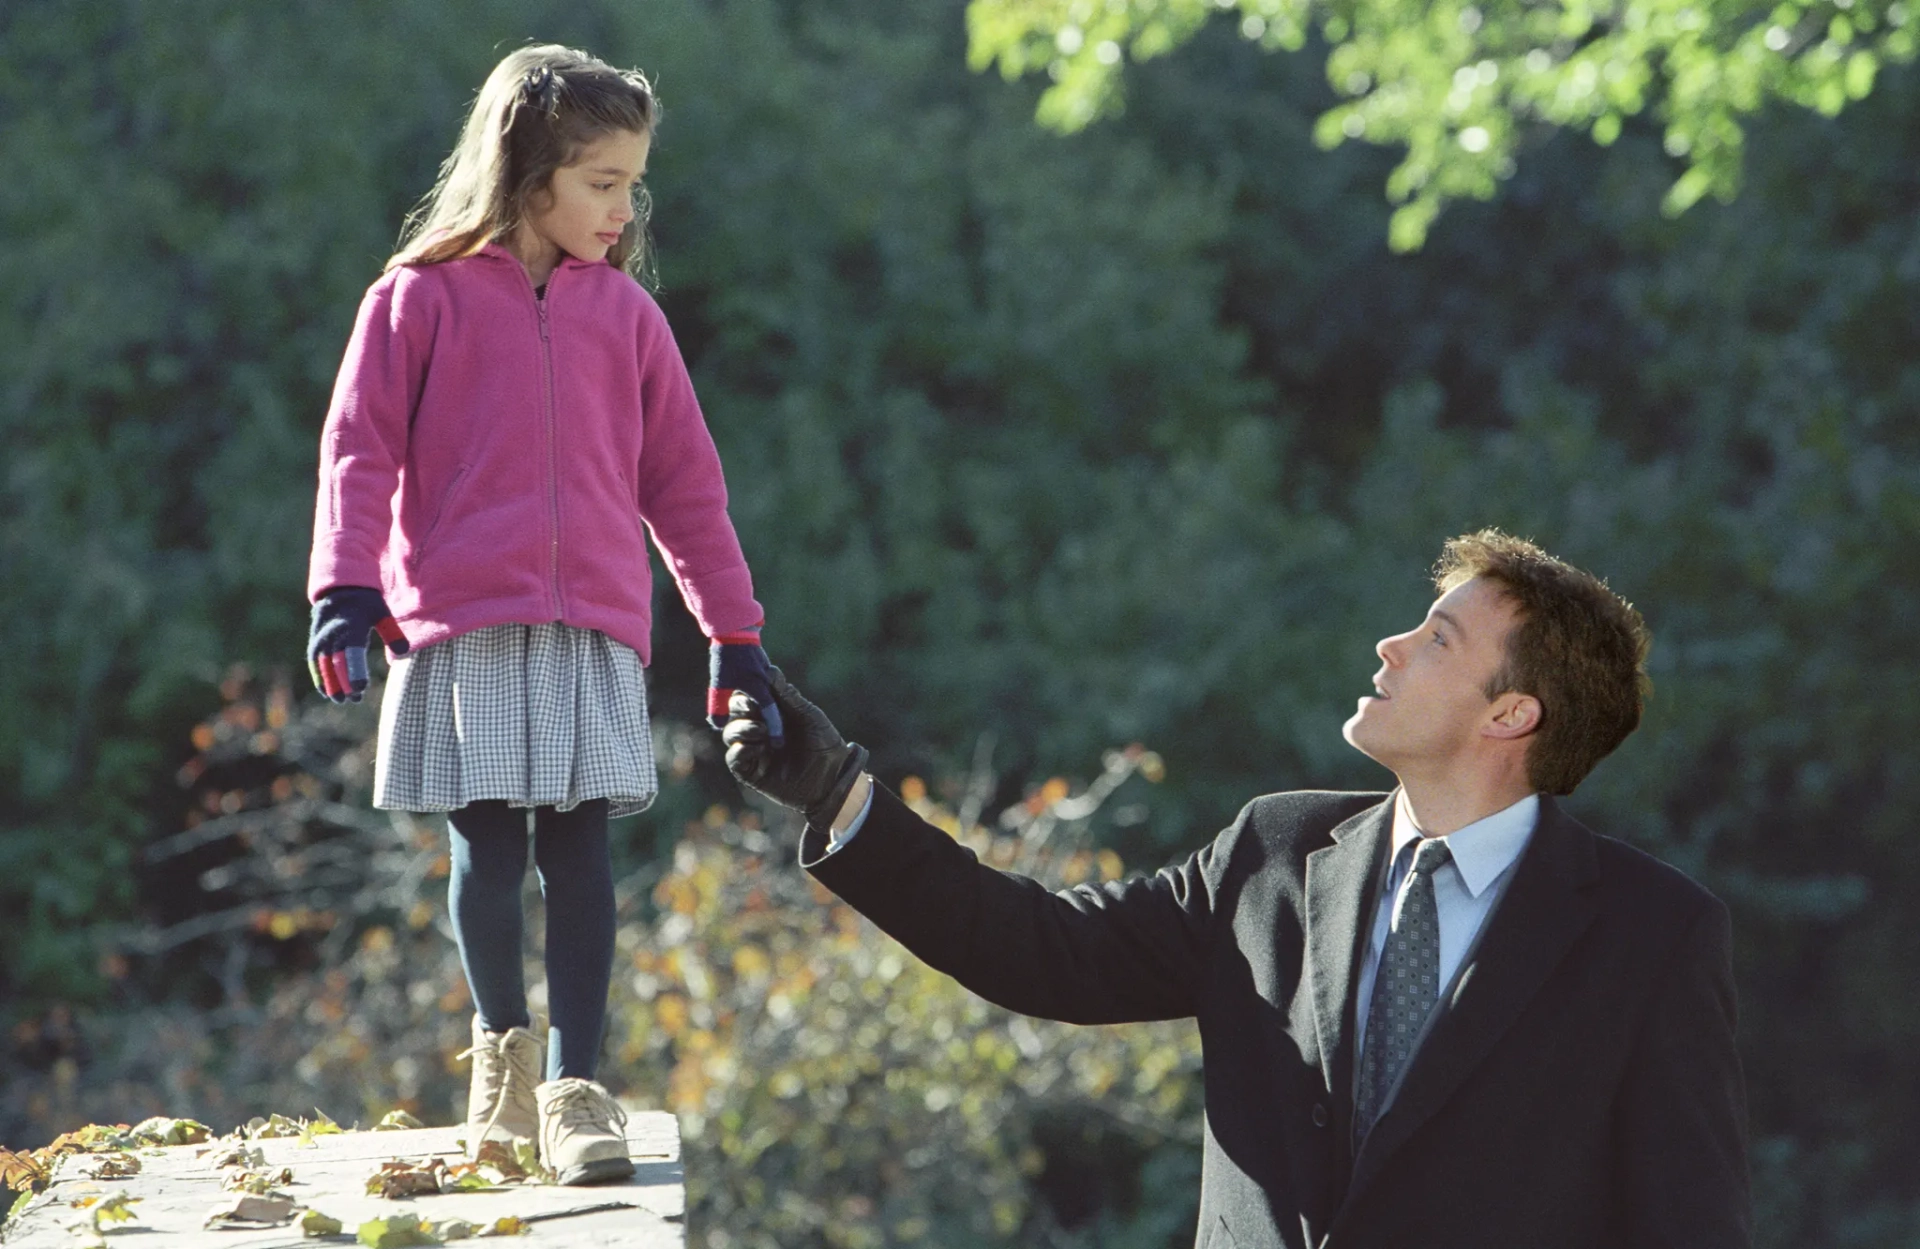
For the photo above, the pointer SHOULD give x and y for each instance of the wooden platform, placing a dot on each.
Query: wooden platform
(179, 1185)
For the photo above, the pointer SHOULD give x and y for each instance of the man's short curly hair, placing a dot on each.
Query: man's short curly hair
(1577, 647)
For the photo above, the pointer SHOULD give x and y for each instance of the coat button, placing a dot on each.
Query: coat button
(1319, 1115)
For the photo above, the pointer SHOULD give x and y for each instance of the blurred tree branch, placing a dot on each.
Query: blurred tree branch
(1460, 83)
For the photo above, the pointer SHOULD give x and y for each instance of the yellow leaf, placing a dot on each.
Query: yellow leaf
(314, 1223)
(395, 1233)
(398, 1121)
(507, 1225)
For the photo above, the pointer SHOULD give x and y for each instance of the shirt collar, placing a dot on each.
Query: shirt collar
(1483, 849)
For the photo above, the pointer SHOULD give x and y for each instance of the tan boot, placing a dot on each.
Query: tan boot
(583, 1136)
(500, 1102)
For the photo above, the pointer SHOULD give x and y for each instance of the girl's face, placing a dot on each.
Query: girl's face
(587, 204)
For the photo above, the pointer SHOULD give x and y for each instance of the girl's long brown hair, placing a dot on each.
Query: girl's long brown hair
(538, 108)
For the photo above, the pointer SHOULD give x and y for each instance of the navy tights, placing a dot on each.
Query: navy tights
(576, 879)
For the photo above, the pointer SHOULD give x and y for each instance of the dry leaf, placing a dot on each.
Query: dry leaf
(161, 1130)
(261, 1183)
(111, 1167)
(273, 1127)
(314, 1223)
(398, 1121)
(23, 1171)
(466, 1177)
(395, 1233)
(508, 1225)
(320, 1125)
(241, 1156)
(499, 1154)
(527, 1154)
(515, 1163)
(250, 1209)
(115, 1209)
(399, 1177)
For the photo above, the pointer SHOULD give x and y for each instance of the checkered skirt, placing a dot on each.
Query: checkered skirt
(537, 715)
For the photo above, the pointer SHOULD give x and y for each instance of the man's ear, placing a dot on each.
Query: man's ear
(1512, 715)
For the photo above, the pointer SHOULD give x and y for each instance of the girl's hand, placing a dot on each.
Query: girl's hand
(337, 640)
(735, 661)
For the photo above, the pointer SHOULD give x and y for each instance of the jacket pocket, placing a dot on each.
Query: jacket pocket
(440, 514)
(1222, 1237)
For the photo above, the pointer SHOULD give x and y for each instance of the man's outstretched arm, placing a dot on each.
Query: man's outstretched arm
(1113, 953)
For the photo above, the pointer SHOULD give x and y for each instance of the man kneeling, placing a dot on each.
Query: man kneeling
(1449, 1015)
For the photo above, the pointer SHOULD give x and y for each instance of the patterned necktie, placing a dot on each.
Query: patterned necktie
(1404, 988)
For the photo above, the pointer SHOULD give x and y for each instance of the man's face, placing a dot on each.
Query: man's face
(587, 204)
(1430, 708)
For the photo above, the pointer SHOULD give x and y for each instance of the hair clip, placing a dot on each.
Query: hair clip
(541, 87)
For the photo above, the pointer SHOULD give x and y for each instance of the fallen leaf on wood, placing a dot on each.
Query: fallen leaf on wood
(399, 1177)
(261, 1183)
(398, 1121)
(241, 1156)
(103, 1210)
(161, 1130)
(314, 1223)
(455, 1229)
(111, 1167)
(395, 1233)
(320, 1125)
(508, 1225)
(90, 1139)
(249, 1210)
(115, 1209)
(466, 1177)
(526, 1154)
(502, 1156)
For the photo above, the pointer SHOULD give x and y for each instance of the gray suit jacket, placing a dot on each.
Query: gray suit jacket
(1579, 1087)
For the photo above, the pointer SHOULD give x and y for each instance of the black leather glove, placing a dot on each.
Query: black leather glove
(812, 773)
(337, 640)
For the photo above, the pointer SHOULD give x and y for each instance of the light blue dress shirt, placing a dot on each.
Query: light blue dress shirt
(1465, 891)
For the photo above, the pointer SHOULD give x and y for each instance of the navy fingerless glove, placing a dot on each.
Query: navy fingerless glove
(736, 661)
(337, 640)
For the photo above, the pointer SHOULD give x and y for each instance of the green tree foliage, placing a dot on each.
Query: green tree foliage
(1037, 444)
(1461, 84)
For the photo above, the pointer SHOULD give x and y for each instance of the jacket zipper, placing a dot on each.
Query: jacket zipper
(553, 483)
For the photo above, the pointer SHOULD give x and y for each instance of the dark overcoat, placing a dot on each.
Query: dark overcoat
(1578, 1086)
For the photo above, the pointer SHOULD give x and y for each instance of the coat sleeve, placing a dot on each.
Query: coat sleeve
(1681, 1132)
(1115, 953)
(683, 494)
(364, 443)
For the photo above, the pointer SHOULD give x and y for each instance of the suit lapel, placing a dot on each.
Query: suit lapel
(1546, 908)
(1340, 882)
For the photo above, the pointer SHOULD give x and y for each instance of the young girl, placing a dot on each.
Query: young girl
(511, 412)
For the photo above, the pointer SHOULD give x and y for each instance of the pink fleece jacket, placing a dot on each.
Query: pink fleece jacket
(491, 458)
